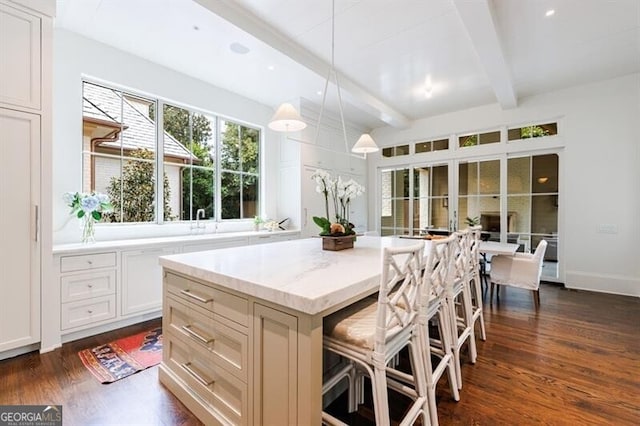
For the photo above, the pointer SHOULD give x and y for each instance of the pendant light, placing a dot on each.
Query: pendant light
(366, 143)
(286, 119)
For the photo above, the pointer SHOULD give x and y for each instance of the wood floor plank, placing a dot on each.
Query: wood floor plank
(574, 362)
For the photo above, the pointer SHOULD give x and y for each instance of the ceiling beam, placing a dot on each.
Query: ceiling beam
(477, 17)
(242, 18)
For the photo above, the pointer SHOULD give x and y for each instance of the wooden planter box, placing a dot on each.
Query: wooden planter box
(338, 243)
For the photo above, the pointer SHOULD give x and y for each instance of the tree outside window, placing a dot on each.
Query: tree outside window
(239, 163)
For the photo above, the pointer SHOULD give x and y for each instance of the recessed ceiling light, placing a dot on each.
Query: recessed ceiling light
(550, 12)
(238, 48)
(319, 92)
(271, 68)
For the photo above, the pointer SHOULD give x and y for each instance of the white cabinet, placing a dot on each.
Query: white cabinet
(141, 282)
(20, 57)
(272, 238)
(25, 151)
(207, 349)
(87, 290)
(20, 247)
(213, 244)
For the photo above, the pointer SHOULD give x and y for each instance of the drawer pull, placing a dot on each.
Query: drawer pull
(195, 296)
(187, 329)
(187, 367)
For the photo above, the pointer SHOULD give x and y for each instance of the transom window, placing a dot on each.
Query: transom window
(429, 146)
(533, 131)
(395, 151)
(479, 139)
(207, 163)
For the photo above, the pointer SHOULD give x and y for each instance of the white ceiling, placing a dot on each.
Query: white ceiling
(472, 52)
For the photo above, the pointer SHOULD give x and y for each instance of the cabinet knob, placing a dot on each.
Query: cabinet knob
(90, 285)
(90, 262)
(89, 311)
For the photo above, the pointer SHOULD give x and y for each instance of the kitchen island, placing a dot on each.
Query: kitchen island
(243, 326)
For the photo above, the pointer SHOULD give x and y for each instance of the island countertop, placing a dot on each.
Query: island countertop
(297, 274)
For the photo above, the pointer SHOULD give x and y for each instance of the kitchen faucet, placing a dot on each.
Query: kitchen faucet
(199, 212)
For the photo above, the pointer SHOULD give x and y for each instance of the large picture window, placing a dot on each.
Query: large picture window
(210, 167)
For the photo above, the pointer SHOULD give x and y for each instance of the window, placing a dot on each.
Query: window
(395, 151)
(429, 146)
(535, 131)
(479, 194)
(395, 202)
(208, 163)
(192, 179)
(431, 198)
(479, 139)
(532, 198)
(119, 149)
(239, 164)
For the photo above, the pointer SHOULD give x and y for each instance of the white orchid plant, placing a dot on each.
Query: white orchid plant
(341, 192)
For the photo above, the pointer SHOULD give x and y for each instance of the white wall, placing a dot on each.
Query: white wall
(599, 166)
(76, 56)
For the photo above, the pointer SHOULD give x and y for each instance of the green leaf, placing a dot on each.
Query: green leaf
(80, 214)
(96, 215)
(323, 223)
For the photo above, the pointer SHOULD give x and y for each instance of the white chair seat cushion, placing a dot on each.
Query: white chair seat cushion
(355, 324)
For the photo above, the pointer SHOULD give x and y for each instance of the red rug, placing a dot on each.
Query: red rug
(124, 357)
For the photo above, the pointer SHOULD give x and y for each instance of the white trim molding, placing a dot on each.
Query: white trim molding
(616, 284)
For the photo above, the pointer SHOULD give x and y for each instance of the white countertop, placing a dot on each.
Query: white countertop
(144, 242)
(297, 274)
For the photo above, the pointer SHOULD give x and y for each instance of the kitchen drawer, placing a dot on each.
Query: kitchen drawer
(217, 301)
(83, 312)
(87, 262)
(88, 285)
(226, 394)
(228, 347)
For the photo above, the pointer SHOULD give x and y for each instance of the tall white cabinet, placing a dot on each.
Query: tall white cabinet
(25, 68)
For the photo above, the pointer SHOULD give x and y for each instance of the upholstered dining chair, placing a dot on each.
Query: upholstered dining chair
(371, 332)
(522, 270)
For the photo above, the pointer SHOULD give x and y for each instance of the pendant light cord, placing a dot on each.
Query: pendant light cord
(332, 70)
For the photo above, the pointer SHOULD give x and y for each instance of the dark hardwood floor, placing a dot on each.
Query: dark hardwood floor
(577, 361)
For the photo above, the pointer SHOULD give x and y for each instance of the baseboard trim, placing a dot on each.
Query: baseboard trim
(12, 353)
(109, 327)
(603, 283)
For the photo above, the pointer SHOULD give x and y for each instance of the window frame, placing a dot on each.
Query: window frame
(160, 102)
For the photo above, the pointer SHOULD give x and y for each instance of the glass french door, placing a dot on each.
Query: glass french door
(532, 199)
(414, 200)
(515, 199)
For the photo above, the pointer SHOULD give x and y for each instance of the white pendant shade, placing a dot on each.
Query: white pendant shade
(286, 119)
(365, 145)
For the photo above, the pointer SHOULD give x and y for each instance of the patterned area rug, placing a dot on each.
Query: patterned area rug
(124, 357)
